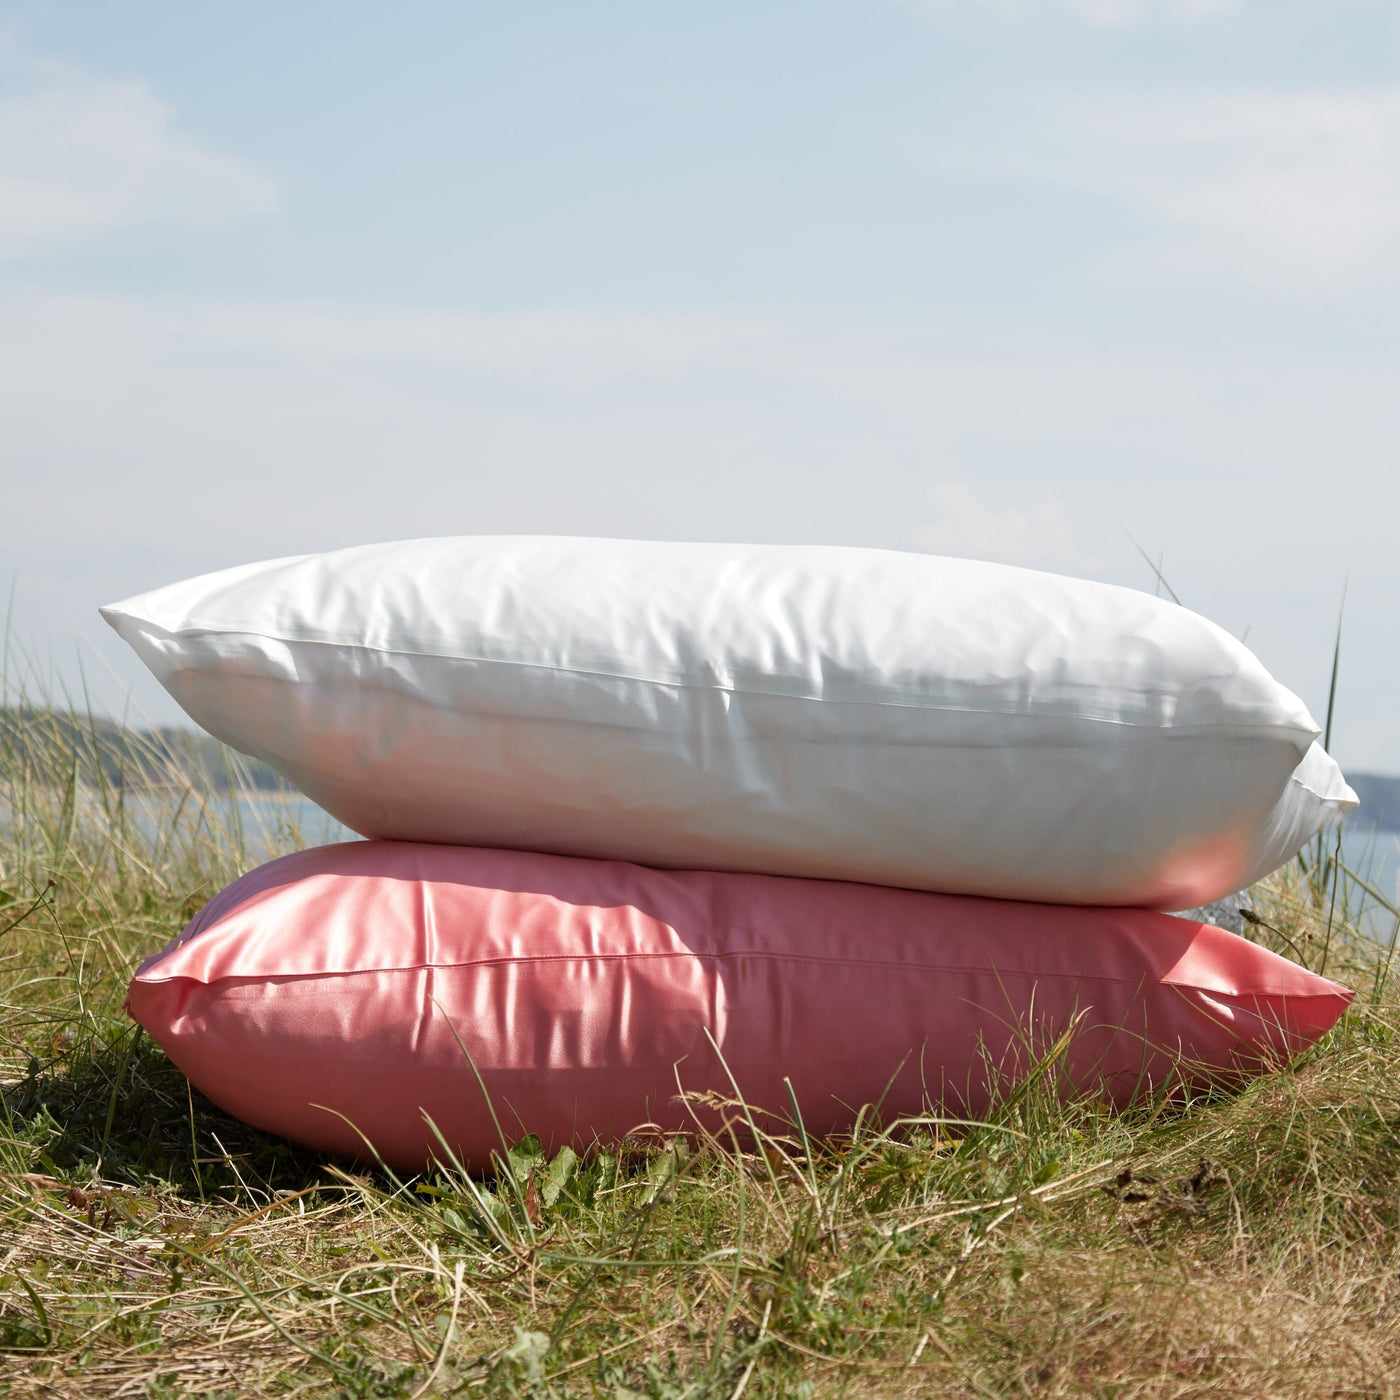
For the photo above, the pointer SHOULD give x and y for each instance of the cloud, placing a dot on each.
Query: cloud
(1038, 534)
(1294, 192)
(233, 425)
(150, 438)
(1112, 14)
(1124, 12)
(81, 156)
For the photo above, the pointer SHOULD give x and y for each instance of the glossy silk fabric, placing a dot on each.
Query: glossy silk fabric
(848, 714)
(343, 994)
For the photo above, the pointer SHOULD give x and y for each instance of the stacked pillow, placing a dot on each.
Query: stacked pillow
(650, 814)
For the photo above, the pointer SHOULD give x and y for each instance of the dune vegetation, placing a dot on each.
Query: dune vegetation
(1235, 1245)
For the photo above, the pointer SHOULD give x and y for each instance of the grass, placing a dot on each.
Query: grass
(151, 1246)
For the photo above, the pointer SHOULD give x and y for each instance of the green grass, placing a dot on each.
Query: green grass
(149, 1245)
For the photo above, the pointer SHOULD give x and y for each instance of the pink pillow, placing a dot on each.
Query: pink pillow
(348, 984)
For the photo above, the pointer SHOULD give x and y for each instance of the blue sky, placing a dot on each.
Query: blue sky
(980, 276)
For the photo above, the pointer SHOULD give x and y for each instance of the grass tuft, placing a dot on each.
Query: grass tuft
(1243, 1245)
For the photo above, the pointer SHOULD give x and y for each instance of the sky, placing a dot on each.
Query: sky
(1051, 282)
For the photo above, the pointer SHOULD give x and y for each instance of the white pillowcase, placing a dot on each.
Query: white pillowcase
(855, 714)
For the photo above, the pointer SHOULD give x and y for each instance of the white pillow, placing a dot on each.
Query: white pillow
(855, 714)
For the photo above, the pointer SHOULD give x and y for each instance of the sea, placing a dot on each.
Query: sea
(1374, 854)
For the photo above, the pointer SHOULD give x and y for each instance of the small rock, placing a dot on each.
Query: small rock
(1224, 913)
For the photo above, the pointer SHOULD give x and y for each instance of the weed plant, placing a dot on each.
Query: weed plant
(1233, 1245)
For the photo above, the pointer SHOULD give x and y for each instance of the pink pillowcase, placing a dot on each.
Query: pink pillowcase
(348, 985)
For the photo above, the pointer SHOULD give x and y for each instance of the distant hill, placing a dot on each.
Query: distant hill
(1380, 800)
(52, 746)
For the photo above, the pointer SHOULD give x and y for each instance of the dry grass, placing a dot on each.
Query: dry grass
(1238, 1246)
